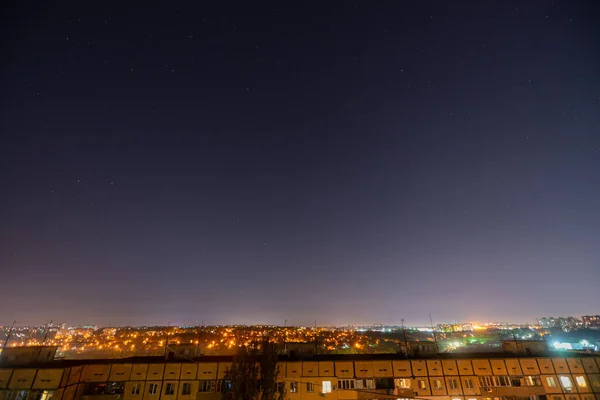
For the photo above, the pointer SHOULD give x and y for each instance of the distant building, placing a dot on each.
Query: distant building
(525, 347)
(299, 349)
(591, 321)
(564, 323)
(27, 355)
(182, 352)
(418, 348)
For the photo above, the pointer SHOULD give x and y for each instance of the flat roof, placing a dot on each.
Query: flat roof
(65, 363)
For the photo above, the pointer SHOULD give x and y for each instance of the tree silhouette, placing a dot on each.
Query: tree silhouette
(253, 374)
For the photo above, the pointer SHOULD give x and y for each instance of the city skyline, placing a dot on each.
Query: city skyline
(346, 162)
(292, 323)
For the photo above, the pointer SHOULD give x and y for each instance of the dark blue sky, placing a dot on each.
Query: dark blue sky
(349, 162)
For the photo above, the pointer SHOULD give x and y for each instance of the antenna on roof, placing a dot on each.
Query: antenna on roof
(437, 350)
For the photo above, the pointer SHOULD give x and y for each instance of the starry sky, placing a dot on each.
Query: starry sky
(349, 162)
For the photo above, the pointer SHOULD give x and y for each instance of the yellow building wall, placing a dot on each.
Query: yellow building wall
(146, 392)
(293, 369)
(498, 367)
(65, 377)
(383, 369)
(96, 373)
(155, 372)
(417, 388)
(546, 366)
(139, 372)
(58, 394)
(120, 372)
(48, 379)
(529, 366)
(590, 366)
(401, 369)
(69, 393)
(326, 368)
(429, 371)
(434, 390)
(458, 390)
(193, 390)
(75, 375)
(363, 369)
(211, 371)
(222, 371)
(582, 383)
(346, 394)
(79, 390)
(319, 385)
(595, 382)
(310, 395)
(419, 367)
(344, 369)
(546, 383)
(450, 367)
(482, 367)
(464, 367)
(560, 365)
(434, 367)
(174, 385)
(474, 382)
(22, 378)
(209, 396)
(128, 390)
(189, 371)
(172, 371)
(5, 374)
(575, 365)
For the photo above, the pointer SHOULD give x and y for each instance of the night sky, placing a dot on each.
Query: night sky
(340, 161)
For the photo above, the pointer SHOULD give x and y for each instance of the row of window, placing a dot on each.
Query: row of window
(387, 383)
(29, 395)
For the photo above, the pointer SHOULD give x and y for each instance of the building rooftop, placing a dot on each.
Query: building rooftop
(64, 363)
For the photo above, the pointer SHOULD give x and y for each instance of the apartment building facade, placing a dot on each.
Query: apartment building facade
(343, 378)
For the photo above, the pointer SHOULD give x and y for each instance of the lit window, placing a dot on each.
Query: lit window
(326, 387)
(580, 381)
(422, 384)
(566, 382)
(437, 384)
(310, 387)
(532, 381)
(551, 381)
(402, 383)
(293, 387)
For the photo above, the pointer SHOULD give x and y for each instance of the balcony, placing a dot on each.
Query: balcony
(102, 397)
(369, 394)
(520, 391)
